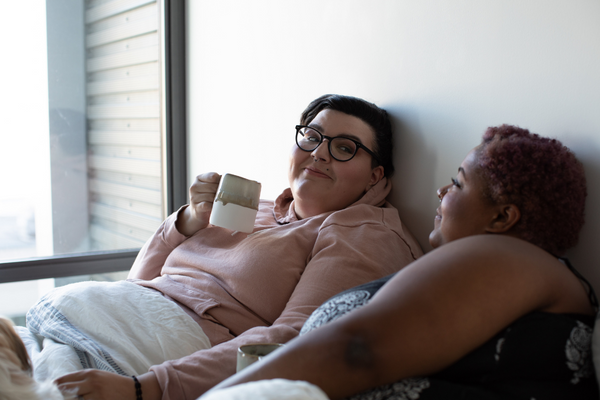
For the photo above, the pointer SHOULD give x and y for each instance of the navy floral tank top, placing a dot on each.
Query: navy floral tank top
(541, 356)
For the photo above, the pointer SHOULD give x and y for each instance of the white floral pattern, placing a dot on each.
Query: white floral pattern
(498, 349)
(335, 308)
(406, 389)
(578, 352)
(499, 345)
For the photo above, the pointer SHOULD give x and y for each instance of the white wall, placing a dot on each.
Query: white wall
(445, 70)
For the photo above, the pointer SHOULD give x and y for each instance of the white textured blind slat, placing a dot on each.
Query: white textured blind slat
(138, 167)
(129, 152)
(139, 181)
(133, 57)
(124, 233)
(125, 191)
(122, 32)
(124, 138)
(110, 239)
(124, 217)
(131, 71)
(124, 45)
(149, 124)
(124, 111)
(112, 8)
(128, 98)
(122, 85)
(130, 16)
(121, 231)
(128, 204)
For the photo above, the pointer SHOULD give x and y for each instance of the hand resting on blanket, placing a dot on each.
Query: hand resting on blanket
(105, 385)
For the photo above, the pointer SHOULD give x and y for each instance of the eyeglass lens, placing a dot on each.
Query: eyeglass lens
(340, 148)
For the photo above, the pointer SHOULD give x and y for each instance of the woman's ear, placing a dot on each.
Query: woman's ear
(506, 217)
(376, 175)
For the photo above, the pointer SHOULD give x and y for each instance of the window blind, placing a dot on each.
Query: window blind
(124, 121)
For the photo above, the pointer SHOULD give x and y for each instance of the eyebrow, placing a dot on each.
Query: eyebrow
(346, 135)
(461, 169)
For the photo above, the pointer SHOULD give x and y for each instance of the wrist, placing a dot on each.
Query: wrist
(150, 388)
(184, 223)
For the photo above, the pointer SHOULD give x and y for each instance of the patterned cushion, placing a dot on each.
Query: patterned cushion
(596, 347)
(343, 303)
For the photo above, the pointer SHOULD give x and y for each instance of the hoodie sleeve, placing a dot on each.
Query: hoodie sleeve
(152, 255)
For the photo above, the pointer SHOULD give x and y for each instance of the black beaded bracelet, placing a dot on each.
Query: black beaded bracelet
(138, 389)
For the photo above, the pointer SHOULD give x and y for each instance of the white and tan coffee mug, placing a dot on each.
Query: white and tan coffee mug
(236, 203)
(251, 353)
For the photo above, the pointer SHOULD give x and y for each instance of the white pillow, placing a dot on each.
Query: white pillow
(272, 389)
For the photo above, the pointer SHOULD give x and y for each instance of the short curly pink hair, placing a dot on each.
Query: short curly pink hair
(541, 177)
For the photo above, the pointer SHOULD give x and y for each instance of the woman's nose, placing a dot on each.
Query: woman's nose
(322, 151)
(441, 192)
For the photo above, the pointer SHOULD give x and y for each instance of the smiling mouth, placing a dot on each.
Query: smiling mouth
(316, 172)
(438, 215)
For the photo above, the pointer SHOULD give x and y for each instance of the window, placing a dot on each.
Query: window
(93, 140)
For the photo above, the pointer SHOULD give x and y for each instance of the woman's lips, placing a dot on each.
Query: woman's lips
(438, 215)
(316, 172)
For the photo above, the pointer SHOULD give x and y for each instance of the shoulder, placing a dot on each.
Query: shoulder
(373, 229)
(364, 214)
(498, 269)
(480, 255)
(488, 247)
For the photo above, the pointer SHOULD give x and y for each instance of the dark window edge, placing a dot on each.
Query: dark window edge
(176, 99)
(67, 265)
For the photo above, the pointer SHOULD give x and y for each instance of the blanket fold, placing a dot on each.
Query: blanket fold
(118, 327)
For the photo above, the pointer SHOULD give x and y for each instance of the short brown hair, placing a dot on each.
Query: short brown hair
(377, 118)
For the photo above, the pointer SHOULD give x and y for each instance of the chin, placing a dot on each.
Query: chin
(434, 239)
(16, 382)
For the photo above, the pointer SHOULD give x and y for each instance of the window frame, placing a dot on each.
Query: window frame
(174, 164)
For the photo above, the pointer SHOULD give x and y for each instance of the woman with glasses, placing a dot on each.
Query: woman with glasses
(332, 229)
(492, 313)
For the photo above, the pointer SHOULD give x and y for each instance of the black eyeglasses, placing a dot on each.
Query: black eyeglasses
(341, 148)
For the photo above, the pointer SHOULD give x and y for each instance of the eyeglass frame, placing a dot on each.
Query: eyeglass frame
(329, 139)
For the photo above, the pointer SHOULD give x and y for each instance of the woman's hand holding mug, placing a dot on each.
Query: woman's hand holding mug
(202, 196)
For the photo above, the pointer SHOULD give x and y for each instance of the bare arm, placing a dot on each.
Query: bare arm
(106, 385)
(427, 317)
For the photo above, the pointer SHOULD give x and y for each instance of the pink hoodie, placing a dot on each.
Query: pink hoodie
(261, 287)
